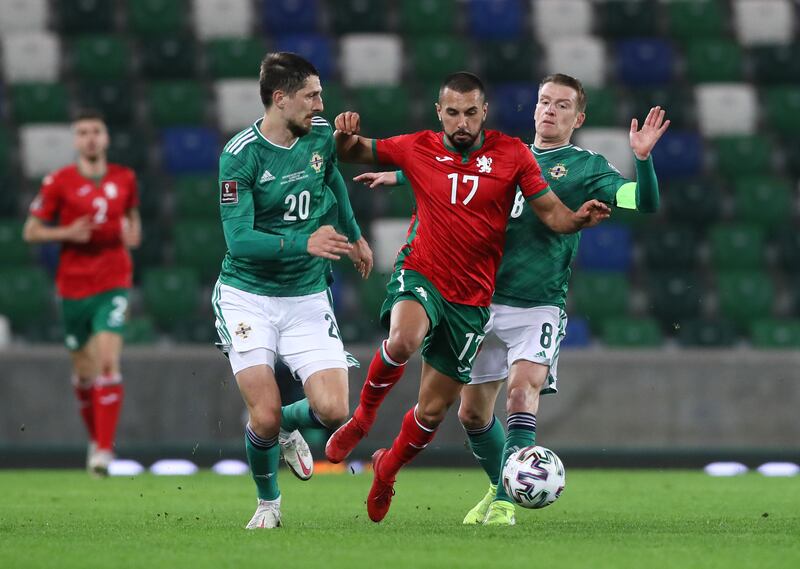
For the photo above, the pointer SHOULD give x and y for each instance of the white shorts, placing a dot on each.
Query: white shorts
(532, 334)
(301, 330)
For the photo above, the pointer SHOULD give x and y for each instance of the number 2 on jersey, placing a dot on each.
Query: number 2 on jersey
(464, 180)
(101, 210)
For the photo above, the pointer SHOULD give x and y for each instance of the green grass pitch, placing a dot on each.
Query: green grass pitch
(604, 519)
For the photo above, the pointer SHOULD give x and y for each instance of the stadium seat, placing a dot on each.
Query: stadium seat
(643, 62)
(354, 16)
(290, 16)
(222, 18)
(39, 102)
(170, 57)
(621, 18)
(151, 252)
(782, 109)
(388, 235)
(238, 104)
(234, 57)
(5, 151)
(760, 22)
(631, 333)
(599, 296)
(745, 296)
(787, 242)
(129, 147)
(318, 49)
(607, 247)
(170, 294)
(31, 57)
(157, 17)
(771, 334)
(58, 140)
(187, 150)
(174, 103)
(200, 245)
(763, 200)
(23, 16)
(582, 57)
(513, 106)
(776, 64)
(427, 16)
(713, 60)
(385, 111)
(743, 155)
(679, 154)
(670, 247)
(612, 143)
(196, 197)
(25, 295)
(334, 100)
(101, 57)
(675, 297)
(85, 16)
(503, 61)
(791, 152)
(197, 330)
(602, 106)
(371, 59)
(433, 57)
(725, 109)
(736, 247)
(695, 19)
(495, 19)
(678, 102)
(112, 97)
(578, 333)
(140, 331)
(552, 19)
(13, 250)
(707, 333)
(693, 202)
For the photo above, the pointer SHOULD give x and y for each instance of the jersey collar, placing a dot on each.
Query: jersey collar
(257, 129)
(465, 155)
(540, 151)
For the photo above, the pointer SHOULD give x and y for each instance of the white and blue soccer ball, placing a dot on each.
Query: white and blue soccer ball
(534, 477)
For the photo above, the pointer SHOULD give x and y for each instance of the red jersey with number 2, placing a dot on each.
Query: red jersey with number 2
(103, 263)
(463, 201)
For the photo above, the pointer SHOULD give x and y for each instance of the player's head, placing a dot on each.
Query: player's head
(290, 85)
(462, 108)
(91, 134)
(559, 108)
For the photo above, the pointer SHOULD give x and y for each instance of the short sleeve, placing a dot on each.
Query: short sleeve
(236, 180)
(602, 179)
(47, 202)
(530, 180)
(393, 150)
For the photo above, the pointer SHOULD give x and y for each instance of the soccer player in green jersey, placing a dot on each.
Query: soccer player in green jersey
(527, 313)
(280, 196)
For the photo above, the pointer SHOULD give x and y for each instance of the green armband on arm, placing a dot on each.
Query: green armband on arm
(641, 195)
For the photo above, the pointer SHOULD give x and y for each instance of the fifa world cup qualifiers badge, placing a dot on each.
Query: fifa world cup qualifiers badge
(228, 192)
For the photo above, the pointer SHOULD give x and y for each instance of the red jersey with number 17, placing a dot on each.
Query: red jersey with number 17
(463, 201)
(103, 263)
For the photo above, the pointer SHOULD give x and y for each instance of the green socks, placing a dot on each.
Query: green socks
(487, 447)
(521, 433)
(263, 455)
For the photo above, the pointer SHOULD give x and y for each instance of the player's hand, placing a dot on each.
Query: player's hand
(361, 255)
(643, 141)
(80, 230)
(375, 179)
(593, 212)
(348, 123)
(328, 244)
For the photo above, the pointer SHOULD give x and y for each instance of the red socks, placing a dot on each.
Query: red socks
(409, 443)
(84, 396)
(107, 402)
(383, 373)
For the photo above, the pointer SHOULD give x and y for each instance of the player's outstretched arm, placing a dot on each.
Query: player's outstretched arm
(374, 179)
(643, 140)
(350, 146)
(36, 231)
(328, 244)
(558, 217)
(132, 228)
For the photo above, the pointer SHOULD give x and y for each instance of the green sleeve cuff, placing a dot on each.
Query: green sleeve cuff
(647, 198)
(294, 245)
(401, 178)
(375, 149)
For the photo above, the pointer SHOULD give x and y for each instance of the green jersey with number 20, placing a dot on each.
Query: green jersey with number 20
(535, 269)
(284, 190)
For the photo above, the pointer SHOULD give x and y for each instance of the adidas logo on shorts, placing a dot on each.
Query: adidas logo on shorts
(541, 354)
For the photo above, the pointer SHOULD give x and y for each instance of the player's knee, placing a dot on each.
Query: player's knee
(82, 381)
(332, 414)
(472, 417)
(521, 398)
(265, 423)
(432, 415)
(402, 345)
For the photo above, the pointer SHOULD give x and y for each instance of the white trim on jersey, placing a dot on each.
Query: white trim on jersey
(540, 152)
(237, 148)
(236, 139)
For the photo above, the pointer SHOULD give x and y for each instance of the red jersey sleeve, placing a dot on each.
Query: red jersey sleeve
(530, 180)
(133, 195)
(47, 202)
(393, 150)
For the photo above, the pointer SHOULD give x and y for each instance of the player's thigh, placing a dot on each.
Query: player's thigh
(327, 392)
(533, 335)
(84, 365)
(76, 316)
(110, 312)
(260, 393)
(413, 307)
(477, 403)
(309, 340)
(107, 348)
(452, 345)
(491, 363)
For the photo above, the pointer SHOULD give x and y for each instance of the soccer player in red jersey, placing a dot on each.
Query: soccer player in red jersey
(464, 181)
(91, 209)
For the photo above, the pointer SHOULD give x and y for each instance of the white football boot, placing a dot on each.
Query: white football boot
(267, 516)
(296, 454)
(99, 462)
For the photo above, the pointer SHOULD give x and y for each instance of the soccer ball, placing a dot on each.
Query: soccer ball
(534, 477)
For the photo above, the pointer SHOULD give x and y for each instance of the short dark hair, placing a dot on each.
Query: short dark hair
(462, 82)
(567, 81)
(283, 71)
(88, 114)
